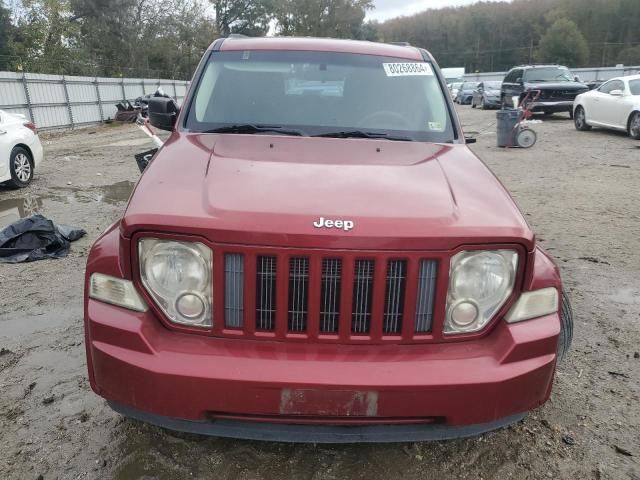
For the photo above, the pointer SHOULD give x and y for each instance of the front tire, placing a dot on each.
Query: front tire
(634, 126)
(580, 119)
(21, 167)
(566, 328)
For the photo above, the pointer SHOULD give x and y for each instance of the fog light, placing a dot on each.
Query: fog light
(190, 306)
(464, 314)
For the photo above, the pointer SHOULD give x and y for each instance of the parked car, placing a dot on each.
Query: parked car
(465, 93)
(487, 95)
(20, 150)
(615, 105)
(307, 267)
(593, 84)
(453, 88)
(558, 88)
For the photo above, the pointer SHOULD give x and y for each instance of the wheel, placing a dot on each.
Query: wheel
(634, 126)
(526, 138)
(566, 328)
(580, 119)
(484, 104)
(21, 167)
(473, 103)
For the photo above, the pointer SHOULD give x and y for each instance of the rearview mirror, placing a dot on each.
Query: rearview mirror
(163, 112)
(616, 93)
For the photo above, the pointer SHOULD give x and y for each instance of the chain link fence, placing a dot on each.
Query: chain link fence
(60, 101)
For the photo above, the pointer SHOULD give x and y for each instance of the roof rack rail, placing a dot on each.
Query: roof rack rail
(237, 35)
(400, 44)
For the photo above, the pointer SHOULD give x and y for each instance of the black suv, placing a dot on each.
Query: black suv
(558, 87)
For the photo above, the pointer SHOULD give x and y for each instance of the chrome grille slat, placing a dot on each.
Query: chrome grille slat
(395, 291)
(362, 297)
(266, 293)
(234, 290)
(330, 295)
(298, 293)
(427, 279)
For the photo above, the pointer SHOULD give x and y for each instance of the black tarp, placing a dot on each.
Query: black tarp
(36, 238)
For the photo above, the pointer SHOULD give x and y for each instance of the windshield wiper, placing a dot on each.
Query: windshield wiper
(363, 134)
(251, 129)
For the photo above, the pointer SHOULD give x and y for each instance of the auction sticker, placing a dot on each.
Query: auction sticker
(407, 69)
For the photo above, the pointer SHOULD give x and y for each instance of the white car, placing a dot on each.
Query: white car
(20, 150)
(453, 88)
(615, 105)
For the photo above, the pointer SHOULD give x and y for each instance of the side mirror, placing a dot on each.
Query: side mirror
(163, 112)
(577, 79)
(616, 93)
(519, 80)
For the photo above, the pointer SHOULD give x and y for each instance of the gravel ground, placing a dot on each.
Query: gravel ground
(578, 190)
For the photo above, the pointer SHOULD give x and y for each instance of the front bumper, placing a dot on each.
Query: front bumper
(556, 107)
(320, 393)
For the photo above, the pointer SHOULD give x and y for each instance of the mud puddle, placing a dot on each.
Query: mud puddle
(13, 209)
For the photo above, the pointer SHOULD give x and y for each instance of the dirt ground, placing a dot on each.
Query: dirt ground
(578, 190)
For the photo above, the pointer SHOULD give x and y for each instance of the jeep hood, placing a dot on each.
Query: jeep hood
(269, 190)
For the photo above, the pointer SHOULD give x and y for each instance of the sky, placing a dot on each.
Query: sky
(386, 9)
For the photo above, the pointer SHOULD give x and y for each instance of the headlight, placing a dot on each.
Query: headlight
(178, 277)
(479, 284)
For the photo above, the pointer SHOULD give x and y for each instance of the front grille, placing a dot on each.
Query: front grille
(394, 298)
(330, 295)
(362, 296)
(266, 293)
(298, 294)
(234, 290)
(342, 297)
(563, 94)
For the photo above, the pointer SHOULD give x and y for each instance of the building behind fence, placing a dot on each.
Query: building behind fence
(56, 101)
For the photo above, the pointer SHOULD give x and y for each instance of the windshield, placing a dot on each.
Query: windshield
(456, 85)
(548, 74)
(470, 85)
(634, 86)
(492, 85)
(320, 93)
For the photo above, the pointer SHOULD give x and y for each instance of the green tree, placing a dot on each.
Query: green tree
(563, 43)
(630, 56)
(250, 17)
(5, 34)
(322, 18)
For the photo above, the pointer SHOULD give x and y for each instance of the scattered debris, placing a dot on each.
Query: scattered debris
(568, 439)
(48, 400)
(593, 260)
(618, 374)
(36, 238)
(623, 451)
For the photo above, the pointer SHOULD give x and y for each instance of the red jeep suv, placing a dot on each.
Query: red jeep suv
(316, 255)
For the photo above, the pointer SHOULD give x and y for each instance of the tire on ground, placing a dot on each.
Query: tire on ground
(566, 327)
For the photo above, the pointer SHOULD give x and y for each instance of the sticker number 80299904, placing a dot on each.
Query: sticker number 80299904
(407, 69)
